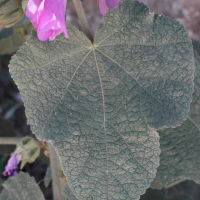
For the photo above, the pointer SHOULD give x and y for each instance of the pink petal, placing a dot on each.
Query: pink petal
(103, 7)
(32, 9)
(46, 20)
(43, 36)
(48, 17)
(55, 33)
(59, 7)
(112, 3)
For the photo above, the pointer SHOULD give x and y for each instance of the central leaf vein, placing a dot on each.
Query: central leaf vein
(104, 115)
(47, 64)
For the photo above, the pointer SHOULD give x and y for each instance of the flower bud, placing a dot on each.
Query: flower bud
(28, 149)
(10, 12)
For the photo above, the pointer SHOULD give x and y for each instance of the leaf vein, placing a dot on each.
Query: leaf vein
(64, 91)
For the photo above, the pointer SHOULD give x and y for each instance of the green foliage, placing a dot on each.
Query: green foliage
(29, 149)
(68, 193)
(12, 43)
(6, 32)
(196, 46)
(10, 12)
(21, 187)
(180, 146)
(152, 194)
(100, 103)
(179, 197)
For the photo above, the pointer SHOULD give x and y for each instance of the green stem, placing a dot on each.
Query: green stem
(82, 17)
(9, 140)
(57, 195)
(175, 182)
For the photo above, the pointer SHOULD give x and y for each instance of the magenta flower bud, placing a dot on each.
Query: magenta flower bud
(104, 5)
(47, 17)
(11, 166)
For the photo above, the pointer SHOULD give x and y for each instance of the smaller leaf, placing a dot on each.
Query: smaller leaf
(178, 197)
(68, 193)
(47, 178)
(21, 187)
(28, 149)
(10, 12)
(154, 194)
(12, 43)
(196, 46)
(6, 32)
(180, 146)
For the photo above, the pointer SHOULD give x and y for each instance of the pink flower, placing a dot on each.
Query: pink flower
(47, 17)
(104, 5)
(11, 166)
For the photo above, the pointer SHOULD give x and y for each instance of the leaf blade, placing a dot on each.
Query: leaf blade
(97, 113)
(21, 187)
(180, 146)
(153, 43)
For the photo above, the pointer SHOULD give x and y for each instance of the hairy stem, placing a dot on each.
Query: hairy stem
(9, 140)
(82, 17)
(57, 195)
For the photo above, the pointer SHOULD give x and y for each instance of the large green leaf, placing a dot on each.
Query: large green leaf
(68, 193)
(180, 147)
(99, 103)
(21, 187)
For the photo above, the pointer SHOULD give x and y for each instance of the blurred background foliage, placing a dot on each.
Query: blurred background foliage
(13, 122)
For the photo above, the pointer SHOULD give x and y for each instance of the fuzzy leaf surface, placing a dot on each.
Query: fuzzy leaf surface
(68, 193)
(21, 187)
(180, 147)
(100, 103)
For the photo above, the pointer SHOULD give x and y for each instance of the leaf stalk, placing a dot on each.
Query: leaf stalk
(57, 195)
(82, 17)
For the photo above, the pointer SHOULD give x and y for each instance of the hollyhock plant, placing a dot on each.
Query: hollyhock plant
(104, 5)
(47, 17)
(11, 166)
